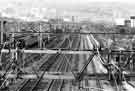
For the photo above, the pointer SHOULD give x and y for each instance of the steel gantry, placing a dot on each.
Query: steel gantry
(76, 75)
(67, 51)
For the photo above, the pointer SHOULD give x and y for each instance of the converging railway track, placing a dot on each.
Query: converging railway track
(87, 85)
(95, 85)
(30, 84)
(57, 85)
(63, 56)
(44, 67)
(44, 63)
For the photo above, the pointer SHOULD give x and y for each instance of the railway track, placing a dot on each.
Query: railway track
(44, 67)
(57, 63)
(62, 68)
(82, 60)
(33, 85)
(57, 85)
(27, 86)
(86, 85)
(63, 83)
(28, 58)
(34, 57)
(38, 84)
(75, 58)
(98, 85)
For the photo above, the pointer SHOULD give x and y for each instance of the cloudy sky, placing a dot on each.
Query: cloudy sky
(66, 1)
(9, 3)
(75, 7)
(69, 0)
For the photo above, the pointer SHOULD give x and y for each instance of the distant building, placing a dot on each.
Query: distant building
(73, 18)
(120, 21)
(67, 20)
(56, 20)
(128, 23)
(132, 18)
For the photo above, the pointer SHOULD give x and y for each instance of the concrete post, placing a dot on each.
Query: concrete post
(2, 31)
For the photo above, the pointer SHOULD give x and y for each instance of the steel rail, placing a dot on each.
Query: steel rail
(90, 60)
(85, 47)
(36, 80)
(52, 80)
(62, 83)
(65, 69)
(39, 79)
(50, 45)
(25, 82)
(65, 65)
(98, 83)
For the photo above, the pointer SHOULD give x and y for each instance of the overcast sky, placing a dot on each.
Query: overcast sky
(6, 3)
(59, 4)
(24, 6)
(70, 1)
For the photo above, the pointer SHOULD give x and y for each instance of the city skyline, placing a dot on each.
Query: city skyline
(93, 10)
